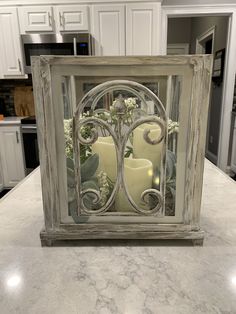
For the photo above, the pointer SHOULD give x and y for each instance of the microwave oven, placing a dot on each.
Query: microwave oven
(55, 44)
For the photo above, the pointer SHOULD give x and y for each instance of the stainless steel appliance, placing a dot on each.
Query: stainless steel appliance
(55, 44)
(30, 143)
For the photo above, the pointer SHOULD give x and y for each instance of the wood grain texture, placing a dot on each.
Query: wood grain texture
(42, 141)
(124, 234)
(197, 136)
(194, 69)
(46, 138)
(128, 60)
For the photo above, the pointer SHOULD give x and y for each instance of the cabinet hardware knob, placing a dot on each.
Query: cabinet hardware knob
(17, 136)
(19, 65)
(61, 19)
(49, 19)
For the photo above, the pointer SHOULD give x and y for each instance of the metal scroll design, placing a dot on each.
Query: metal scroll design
(120, 138)
(95, 121)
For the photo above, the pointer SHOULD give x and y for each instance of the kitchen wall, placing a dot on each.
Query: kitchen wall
(201, 24)
(179, 30)
(186, 30)
(7, 93)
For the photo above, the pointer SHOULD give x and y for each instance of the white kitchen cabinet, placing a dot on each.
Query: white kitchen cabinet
(36, 18)
(142, 28)
(1, 177)
(11, 153)
(10, 47)
(72, 17)
(109, 29)
(132, 29)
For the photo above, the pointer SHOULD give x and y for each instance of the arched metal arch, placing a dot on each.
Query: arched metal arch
(90, 100)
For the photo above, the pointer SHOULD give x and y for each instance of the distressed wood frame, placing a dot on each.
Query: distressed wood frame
(196, 70)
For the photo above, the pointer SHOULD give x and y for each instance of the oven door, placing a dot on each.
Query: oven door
(46, 49)
(30, 143)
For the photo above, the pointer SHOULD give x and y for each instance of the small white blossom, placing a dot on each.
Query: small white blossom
(131, 103)
(103, 187)
(173, 127)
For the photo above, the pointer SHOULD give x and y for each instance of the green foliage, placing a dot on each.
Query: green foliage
(89, 167)
(170, 166)
(102, 184)
(88, 181)
(85, 150)
(128, 151)
(170, 182)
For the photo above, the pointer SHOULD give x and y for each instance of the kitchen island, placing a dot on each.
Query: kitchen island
(105, 277)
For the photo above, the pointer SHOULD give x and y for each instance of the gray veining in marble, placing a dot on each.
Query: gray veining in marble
(141, 277)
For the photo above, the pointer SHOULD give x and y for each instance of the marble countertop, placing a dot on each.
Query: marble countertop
(121, 277)
(11, 121)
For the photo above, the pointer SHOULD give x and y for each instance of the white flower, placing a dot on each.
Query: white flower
(173, 127)
(130, 103)
(103, 187)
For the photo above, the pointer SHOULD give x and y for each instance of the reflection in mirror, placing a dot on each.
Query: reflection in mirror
(173, 107)
(142, 161)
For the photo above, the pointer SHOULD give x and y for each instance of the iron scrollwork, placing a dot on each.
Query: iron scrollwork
(120, 133)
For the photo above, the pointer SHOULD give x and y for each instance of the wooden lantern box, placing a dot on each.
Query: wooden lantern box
(122, 143)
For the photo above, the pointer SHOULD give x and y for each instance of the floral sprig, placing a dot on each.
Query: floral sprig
(85, 130)
(68, 138)
(173, 127)
(105, 186)
(130, 105)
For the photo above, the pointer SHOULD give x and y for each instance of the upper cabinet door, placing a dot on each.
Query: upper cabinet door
(36, 19)
(10, 45)
(109, 30)
(73, 17)
(143, 28)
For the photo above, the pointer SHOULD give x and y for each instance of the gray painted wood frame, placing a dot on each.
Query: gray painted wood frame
(196, 78)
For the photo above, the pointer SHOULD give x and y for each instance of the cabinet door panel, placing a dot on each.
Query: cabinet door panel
(73, 17)
(1, 176)
(109, 30)
(142, 28)
(10, 48)
(36, 18)
(11, 155)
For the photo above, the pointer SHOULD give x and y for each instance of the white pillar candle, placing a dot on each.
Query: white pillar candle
(105, 148)
(138, 178)
(142, 149)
